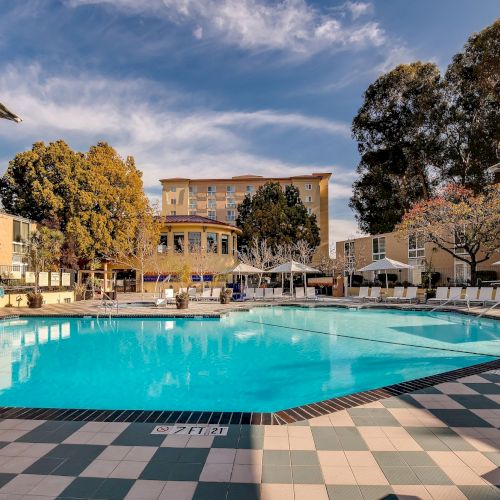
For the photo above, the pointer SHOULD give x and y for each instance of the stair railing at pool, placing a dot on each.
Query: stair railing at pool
(452, 299)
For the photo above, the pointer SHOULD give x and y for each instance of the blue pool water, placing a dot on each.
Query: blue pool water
(237, 363)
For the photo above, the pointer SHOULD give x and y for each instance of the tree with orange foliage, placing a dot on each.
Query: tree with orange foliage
(465, 225)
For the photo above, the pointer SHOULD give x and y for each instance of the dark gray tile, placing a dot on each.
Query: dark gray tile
(157, 470)
(389, 458)
(350, 439)
(231, 440)
(276, 457)
(427, 390)
(193, 455)
(460, 418)
(485, 388)
(480, 492)
(475, 401)
(305, 474)
(417, 458)
(403, 401)
(45, 466)
(211, 491)
(431, 475)
(51, 432)
(73, 466)
(185, 472)
(82, 487)
(75, 451)
(167, 455)
(304, 458)
(5, 478)
(251, 441)
(325, 438)
(373, 417)
(452, 440)
(113, 489)
(139, 435)
(400, 475)
(375, 492)
(276, 474)
(243, 491)
(492, 377)
(344, 492)
(494, 456)
(426, 439)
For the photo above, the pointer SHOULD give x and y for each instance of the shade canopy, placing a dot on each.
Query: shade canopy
(496, 263)
(8, 115)
(385, 265)
(242, 268)
(293, 267)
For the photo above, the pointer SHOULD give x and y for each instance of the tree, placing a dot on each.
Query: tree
(398, 139)
(96, 199)
(472, 114)
(277, 216)
(465, 225)
(258, 254)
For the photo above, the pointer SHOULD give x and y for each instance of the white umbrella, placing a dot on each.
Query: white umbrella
(245, 269)
(385, 265)
(293, 267)
(496, 263)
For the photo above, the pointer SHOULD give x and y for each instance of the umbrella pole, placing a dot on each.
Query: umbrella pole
(386, 282)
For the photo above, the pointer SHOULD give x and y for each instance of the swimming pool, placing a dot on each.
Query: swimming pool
(267, 359)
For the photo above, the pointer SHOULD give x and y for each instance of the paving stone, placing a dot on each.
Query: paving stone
(82, 487)
(475, 402)
(114, 489)
(431, 475)
(304, 474)
(276, 474)
(344, 492)
(459, 418)
(372, 492)
(276, 457)
(243, 491)
(211, 491)
(304, 458)
(400, 475)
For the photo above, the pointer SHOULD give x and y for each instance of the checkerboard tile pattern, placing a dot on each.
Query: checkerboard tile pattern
(442, 442)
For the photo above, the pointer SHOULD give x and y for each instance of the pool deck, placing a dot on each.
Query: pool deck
(437, 442)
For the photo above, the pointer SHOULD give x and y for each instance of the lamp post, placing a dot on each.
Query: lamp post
(8, 115)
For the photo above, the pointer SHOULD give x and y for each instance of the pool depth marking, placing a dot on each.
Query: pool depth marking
(374, 340)
(191, 430)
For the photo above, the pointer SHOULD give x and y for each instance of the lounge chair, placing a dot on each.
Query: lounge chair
(215, 294)
(470, 295)
(485, 295)
(363, 293)
(455, 294)
(259, 293)
(311, 293)
(205, 294)
(398, 294)
(160, 302)
(299, 293)
(268, 293)
(375, 293)
(192, 294)
(441, 295)
(411, 294)
(278, 294)
(249, 293)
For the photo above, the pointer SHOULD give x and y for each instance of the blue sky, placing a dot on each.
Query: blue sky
(214, 88)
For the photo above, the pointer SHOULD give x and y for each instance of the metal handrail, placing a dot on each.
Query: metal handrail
(451, 299)
(489, 309)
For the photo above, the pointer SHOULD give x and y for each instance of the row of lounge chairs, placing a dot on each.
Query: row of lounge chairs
(208, 294)
(472, 295)
(277, 293)
(401, 294)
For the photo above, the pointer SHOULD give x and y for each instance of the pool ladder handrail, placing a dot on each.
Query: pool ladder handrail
(495, 304)
(452, 299)
(108, 304)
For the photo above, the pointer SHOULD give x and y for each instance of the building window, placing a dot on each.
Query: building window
(308, 199)
(193, 204)
(173, 201)
(211, 189)
(212, 242)
(193, 212)
(309, 211)
(173, 212)
(179, 242)
(308, 187)
(416, 246)
(224, 244)
(230, 203)
(193, 190)
(173, 189)
(194, 240)
(230, 190)
(163, 245)
(20, 236)
(378, 248)
(212, 214)
(250, 190)
(212, 203)
(231, 215)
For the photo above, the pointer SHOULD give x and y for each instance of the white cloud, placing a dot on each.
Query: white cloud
(293, 26)
(342, 229)
(165, 139)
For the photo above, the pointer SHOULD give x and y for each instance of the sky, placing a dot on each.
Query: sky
(215, 88)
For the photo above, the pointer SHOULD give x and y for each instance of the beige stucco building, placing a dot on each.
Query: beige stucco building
(218, 199)
(359, 252)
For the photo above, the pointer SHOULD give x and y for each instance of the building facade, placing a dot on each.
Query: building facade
(218, 199)
(15, 233)
(358, 252)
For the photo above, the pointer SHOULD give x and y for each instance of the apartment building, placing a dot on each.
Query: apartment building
(218, 199)
(359, 252)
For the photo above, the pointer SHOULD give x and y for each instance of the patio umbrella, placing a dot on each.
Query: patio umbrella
(8, 115)
(496, 263)
(245, 270)
(385, 265)
(294, 267)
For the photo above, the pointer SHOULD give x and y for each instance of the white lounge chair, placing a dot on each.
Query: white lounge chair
(192, 294)
(455, 294)
(278, 294)
(215, 294)
(470, 295)
(259, 293)
(299, 293)
(363, 293)
(375, 293)
(205, 294)
(311, 293)
(398, 294)
(168, 293)
(250, 293)
(411, 294)
(268, 293)
(441, 295)
(160, 302)
(485, 295)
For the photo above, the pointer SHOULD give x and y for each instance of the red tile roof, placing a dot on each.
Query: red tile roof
(192, 219)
